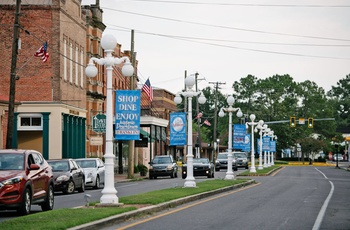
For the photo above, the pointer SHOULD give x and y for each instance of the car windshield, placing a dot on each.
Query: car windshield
(240, 155)
(86, 163)
(161, 160)
(222, 156)
(201, 160)
(10, 161)
(59, 166)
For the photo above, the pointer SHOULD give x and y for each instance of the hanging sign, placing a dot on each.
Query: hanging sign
(127, 116)
(178, 129)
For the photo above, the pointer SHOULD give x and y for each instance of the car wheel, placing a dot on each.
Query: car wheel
(246, 167)
(212, 176)
(82, 188)
(235, 169)
(49, 201)
(183, 176)
(172, 174)
(70, 187)
(176, 174)
(26, 204)
(98, 183)
(150, 177)
(217, 170)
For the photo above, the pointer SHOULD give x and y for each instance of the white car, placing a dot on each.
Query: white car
(94, 170)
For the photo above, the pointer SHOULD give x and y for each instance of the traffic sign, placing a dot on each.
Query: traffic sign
(99, 123)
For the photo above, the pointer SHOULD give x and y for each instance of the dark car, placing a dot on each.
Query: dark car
(162, 166)
(201, 167)
(222, 160)
(25, 179)
(68, 176)
(241, 159)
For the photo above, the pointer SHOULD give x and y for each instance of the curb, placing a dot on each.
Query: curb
(116, 219)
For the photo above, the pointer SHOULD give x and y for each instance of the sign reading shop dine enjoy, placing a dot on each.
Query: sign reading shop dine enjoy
(127, 116)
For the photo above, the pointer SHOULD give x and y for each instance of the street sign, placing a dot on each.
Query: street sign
(96, 141)
(99, 123)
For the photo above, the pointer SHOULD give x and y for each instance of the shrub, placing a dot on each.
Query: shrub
(142, 169)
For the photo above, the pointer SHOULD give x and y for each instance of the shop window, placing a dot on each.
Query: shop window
(30, 122)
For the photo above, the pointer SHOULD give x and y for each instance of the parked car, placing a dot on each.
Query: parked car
(241, 159)
(201, 167)
(94, 170)
(25, 179)
(221, 162)
(163, 165)
(338, 157)
(68, 176)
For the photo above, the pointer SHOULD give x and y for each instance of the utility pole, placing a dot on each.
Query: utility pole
(11, 109)
(198, 142)
(216, 112)
(131, 157)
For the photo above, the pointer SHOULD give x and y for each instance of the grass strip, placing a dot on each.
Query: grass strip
(61, 218)
(67, 218)
(260, 172)
(164, 195)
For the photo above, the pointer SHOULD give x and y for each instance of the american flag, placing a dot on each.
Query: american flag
(147, 88)
(42, 52)
(207, 122)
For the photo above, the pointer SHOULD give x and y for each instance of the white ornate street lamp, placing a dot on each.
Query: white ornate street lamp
(108, 43)
(269, 153)
(266, 133)
(252, 123)
(272, 154)
(189, 82)
(230, 110)
(261, 127)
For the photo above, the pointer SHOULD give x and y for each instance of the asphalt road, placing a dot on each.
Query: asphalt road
(294, 198)
(123, 189)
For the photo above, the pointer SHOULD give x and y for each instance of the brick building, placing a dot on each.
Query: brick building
(51, 115)
(55, 101)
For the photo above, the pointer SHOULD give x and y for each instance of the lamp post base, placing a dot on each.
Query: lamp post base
(229, 176)
(190, 183)
(252, 169)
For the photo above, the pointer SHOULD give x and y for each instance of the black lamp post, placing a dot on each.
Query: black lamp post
(336, 154)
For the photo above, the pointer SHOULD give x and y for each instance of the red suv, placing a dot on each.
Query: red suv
(25, 179)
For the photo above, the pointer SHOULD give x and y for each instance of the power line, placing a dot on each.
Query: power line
(228, 27)
(231, 41)
(244, 4)
(255, 50)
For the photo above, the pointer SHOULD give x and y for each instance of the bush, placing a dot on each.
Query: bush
(136, 169)
(142, 169)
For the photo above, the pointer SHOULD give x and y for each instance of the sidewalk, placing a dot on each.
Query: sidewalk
(124, 177)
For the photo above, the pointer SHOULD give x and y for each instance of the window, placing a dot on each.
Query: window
(30, 122)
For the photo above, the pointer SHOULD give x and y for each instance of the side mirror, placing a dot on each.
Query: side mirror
(34, 167)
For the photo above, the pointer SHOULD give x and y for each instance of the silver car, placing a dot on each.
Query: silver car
(94, 170)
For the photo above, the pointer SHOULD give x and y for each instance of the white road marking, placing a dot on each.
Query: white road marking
(322, 212)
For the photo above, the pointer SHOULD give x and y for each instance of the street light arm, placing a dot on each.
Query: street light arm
(100, 61)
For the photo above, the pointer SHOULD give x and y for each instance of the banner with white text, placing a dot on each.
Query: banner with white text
(127, 116)
(178, 129)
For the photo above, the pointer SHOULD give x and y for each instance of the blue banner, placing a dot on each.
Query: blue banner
(273, 146)
(247, 143)
(127, 116)
(239, 137)
(178, 129)
(258, 145)
(266, 143)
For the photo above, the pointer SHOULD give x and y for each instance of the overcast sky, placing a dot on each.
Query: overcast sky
(226, 40)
